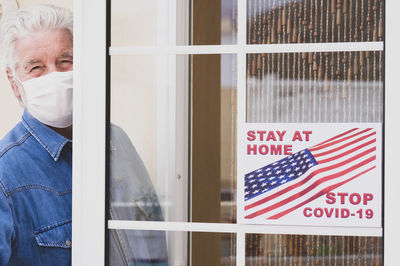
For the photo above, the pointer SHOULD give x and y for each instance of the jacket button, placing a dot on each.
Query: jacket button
(68, 243)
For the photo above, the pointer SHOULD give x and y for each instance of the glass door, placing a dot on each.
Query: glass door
(184, 77)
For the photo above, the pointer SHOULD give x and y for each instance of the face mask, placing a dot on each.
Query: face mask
(49, 98)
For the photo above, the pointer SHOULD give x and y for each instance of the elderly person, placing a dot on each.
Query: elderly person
(36, 155)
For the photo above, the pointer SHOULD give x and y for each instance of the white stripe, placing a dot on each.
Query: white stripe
(345, 135)
(341, 142)
(253, 48)
(240, 228)
(345, 149)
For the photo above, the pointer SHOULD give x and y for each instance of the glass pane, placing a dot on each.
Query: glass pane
(160, 248)
(140, 23)
(309, 21)
(140, 188)
(144, 94)
(213, 138)
(315, 87)
(213, 249)
(313, 250)
(134, 22)
(134, 247)
(214, 22)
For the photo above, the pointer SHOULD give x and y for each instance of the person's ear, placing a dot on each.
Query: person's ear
(13, 82)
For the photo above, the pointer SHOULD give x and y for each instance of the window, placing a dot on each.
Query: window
(192, 85)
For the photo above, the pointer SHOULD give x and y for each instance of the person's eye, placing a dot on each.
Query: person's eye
(35, 68)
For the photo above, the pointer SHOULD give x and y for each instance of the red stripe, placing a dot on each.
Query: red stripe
(335, 137)
(338, 141)
(344, 146)
(347, 152)
(305, 180)
(306, 190)
(319, 194)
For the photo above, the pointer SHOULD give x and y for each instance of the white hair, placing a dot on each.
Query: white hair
(28, 20)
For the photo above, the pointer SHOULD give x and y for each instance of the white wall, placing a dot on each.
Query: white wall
(10, 112)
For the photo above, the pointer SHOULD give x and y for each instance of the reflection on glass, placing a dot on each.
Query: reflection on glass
(312, 250)
(132, 194)
(309, 21)
(134, 247)
(315, 87)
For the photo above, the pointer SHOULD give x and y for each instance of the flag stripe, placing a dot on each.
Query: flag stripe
(312, 186)
(343, 146)
(319, 194)
(335, 137)
(346, 152)
(338, 141)
(305, 180)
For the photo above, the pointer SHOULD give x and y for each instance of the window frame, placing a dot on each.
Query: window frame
(89, 129)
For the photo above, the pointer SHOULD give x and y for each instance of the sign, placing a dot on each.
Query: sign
(310, 174)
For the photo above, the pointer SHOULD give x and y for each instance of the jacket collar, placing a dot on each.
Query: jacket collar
(50, 140)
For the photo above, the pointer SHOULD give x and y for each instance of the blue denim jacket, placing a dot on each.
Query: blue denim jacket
(35, 199)
(35, 196)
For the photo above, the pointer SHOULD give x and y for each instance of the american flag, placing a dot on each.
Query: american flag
(279, 188)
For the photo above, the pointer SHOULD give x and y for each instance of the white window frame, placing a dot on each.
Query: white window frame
(90, 118)
(88, 179)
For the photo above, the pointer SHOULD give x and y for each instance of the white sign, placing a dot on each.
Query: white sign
(310, 174)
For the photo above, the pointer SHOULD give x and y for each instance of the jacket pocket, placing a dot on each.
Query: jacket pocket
(54, 243)
(56, 235)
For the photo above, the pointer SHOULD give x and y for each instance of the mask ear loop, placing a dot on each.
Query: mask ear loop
(22, 98)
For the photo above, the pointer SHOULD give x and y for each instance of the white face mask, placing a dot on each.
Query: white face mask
(49, 98)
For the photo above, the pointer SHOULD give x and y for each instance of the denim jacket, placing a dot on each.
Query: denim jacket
(35, 199)
(35, 196)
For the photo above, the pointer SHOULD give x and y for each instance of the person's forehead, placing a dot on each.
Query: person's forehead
(40, 45)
